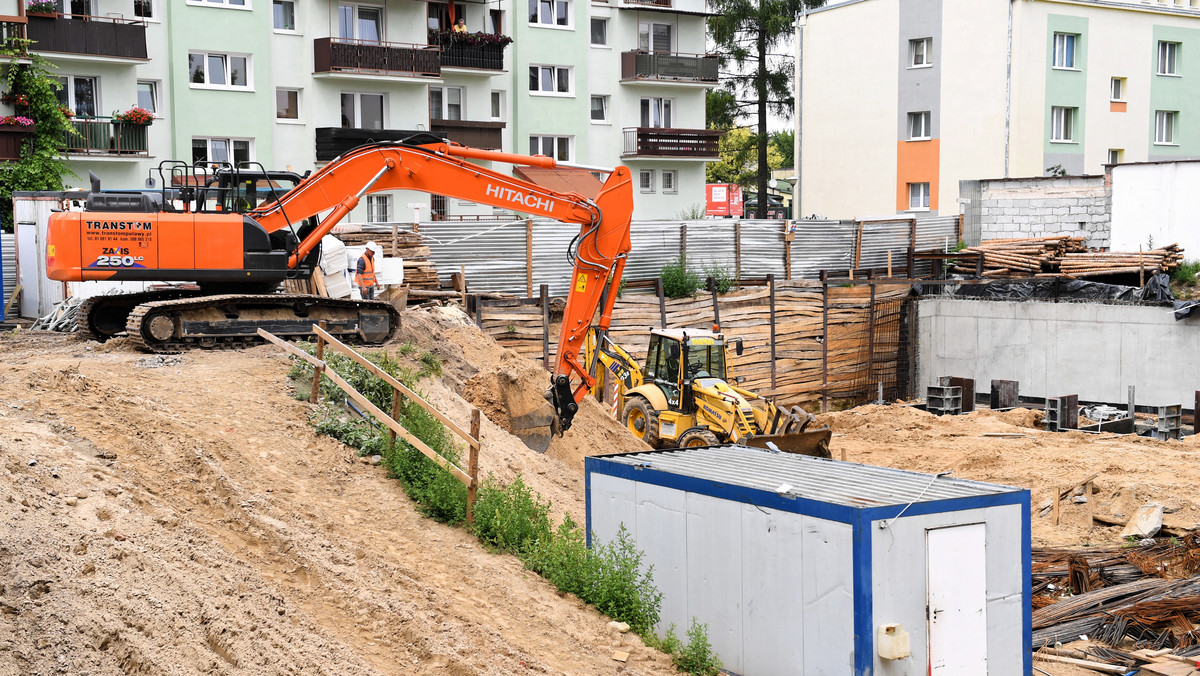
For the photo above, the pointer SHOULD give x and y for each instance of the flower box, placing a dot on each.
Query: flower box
(46, 15)
(11, 138)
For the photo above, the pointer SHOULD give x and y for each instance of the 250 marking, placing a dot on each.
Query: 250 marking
(118, 261)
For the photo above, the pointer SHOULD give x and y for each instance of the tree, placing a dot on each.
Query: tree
(746, 32)
(720, 109)
(739, 159)
(784, 143)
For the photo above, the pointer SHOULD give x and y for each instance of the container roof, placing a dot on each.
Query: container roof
(829, 481)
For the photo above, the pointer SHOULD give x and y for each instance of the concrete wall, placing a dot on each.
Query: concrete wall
(1158, 201)
(1090, 349)
(1040, 207)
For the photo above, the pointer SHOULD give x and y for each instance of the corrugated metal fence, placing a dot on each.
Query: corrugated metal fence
(8, 262)
(512, 257)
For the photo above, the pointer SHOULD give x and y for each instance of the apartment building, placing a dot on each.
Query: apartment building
(902, 99)
(293, 84)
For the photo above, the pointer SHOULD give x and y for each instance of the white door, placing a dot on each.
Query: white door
(957, 600)
(27, 254)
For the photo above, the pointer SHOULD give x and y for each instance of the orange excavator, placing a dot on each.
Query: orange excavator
(238, 232)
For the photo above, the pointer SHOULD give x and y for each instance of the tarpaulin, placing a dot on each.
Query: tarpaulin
(1156, 290)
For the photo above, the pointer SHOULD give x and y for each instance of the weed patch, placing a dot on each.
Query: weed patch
(679, 280)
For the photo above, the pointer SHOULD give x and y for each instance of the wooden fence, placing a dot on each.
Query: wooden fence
(804, 340)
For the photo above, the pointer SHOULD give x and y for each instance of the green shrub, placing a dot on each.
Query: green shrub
(1186, 273)
(697, 657)
(669, 643)
(723, 277)
(511, 518)
(564, 560)
(432, 365)
(678, 280)
(619, 589)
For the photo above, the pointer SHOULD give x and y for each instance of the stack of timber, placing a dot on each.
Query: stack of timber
(419, 271)
(1065, 256)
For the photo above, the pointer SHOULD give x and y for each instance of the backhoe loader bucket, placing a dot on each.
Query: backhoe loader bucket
(814, 442)
(530, 416)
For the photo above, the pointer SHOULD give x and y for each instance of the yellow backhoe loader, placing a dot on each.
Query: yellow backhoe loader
(684, 396)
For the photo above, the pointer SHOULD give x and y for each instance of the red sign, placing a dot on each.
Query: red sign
(724, 199)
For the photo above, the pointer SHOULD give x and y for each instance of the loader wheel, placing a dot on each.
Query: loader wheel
(696, 437)
(641, 420)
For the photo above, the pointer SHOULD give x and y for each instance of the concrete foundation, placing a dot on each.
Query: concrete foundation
(1091, 349)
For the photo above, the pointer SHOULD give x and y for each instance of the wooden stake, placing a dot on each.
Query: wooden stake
(1057, 502)
(889, 263)
(462, 270)
(395, 416)
(1141, 270)
(473, 468)
(529, 258)
(1087, 493)
(317, 371)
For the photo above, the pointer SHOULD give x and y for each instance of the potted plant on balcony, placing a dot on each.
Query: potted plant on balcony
(14, 130)
(15, 99)
(129, 129)
(473, 50)
(41, 8)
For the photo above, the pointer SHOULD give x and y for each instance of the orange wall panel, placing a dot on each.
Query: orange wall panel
(1117, 106)
(917, 162)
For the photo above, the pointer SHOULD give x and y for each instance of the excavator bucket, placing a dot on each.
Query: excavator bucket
(530, 416)
(814, 442)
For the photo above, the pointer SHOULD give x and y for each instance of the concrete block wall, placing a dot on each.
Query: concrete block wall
(1078, 206)
(1094, 350)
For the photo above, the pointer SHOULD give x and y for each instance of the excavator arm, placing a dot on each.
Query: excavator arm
(597, 253)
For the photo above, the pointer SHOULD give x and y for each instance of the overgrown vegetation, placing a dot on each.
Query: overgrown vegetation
(692, 212)
(1186, 273)
(694, 657)
(679, 280)
(723, 276)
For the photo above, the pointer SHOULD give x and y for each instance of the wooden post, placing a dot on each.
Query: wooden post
(1087, 493)
(712, 287)
(958, 230)
(871, 334)
(317, 371)
(858, 248)
(771, 301)
(544, 290)
(395, 237)
(788, 236)
(824, 342)
(473, 467)
(683, 243)
(1141, 268)
(529, 258)
(478, 311)
(912, 246)
(395, 416)
(889, 263)
(737, 250)
(662, 303)
(1057, 500)
(462, 272)
(1196, 415)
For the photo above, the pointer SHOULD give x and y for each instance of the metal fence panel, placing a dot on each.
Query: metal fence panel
(938, 232)
(763, 249)
(8, 261)
(712, 244)
(880, 238)
(551, 262)
(655, 243)
(822, 245)
(493, 254)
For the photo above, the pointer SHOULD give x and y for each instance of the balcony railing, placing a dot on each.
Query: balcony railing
(650, 3)
(12, 32)
(482, 135)
(103, 136)
(335, 141)
(336, 55)
(89, 35)
(657, 142)
(669, 66)
(456, 53)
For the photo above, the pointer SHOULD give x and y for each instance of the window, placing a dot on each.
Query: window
(285, 15)
(74, 8)
(362, 111)
(1062, 124)
(360, 22)
(920, 52)
(235, 151)
(495, 21)
(600, 32)
(654, 37)
(227, 3)
(599, 109)
(147, 96)
(438, 15)
(219, 70)
(445, 103)
(1116, 156)
(1118, 89)
(1168, 55)
(287, 104)
(918, 196)
(497, 105)
(550, 79)
(646, 180)
(143, 9)
(1064, 50)
(558, 147)
(657, 113)
(670, 181)
(1164, 127)
(379, 208)
(79, 94)
(918, 126)
(550, 12)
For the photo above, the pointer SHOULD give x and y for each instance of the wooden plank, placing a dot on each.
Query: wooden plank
(1086, 664)
(384, 376)
(1168, 668)
(11, 299)
(473, 468)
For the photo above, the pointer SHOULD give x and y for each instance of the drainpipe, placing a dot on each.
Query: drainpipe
(1008, 88)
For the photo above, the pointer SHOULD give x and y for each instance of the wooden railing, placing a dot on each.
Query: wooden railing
(657, 142)
(671, 66)
(469, 476)
(332, 55)
(89, 35)
(12, 32)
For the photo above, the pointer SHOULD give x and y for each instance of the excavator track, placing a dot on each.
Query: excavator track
(232, 321)
(104, 317)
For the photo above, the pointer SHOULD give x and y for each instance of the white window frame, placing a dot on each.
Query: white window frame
(357, 5)
(295, 21)
(555, 139)
(674, 187)
(228, 57)
(229, 140)
(377, 202)
(299, 119)
(1168, 58)
(1165, 123)
(1064, 58)
(445, 112)
(570, 93)
(1116, 155)
(153, 11)
(1062, 124)
(666, 107)
(552, 15)
(920, 53)
(604, 22)
(920, 122)
(496, 104)
(223, 4)
(605, 100)
(646, 181)
(356, 123)
(649, 33)
(155, 99)
(921, 197)
(69, 88)
(1116, 89)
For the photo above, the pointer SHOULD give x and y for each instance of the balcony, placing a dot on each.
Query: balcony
(654, 142)
(332, 142)
(482, 135)
(12, 32)
(101, 136)
(367, 57)
(89, 36)
(660, 67)
(480, 51)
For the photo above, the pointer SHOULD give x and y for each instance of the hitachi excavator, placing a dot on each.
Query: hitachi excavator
(240, 231)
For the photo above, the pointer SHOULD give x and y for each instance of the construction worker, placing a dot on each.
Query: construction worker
(364, 275)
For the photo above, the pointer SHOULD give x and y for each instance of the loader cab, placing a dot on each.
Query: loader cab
(677, 357)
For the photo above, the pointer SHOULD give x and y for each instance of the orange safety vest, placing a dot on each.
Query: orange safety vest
(366, 278)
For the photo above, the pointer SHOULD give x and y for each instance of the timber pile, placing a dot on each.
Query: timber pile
(799, 333)
(1164, 259)
(419, 270)
(1065, 256)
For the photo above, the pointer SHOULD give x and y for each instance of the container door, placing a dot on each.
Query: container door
(957, 600)
(27, 255)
